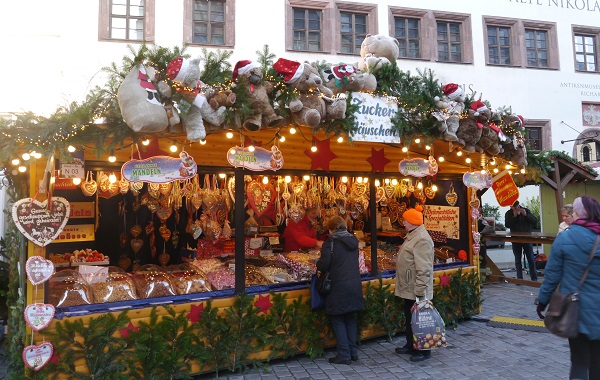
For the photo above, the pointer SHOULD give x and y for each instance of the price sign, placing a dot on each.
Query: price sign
(74, 168)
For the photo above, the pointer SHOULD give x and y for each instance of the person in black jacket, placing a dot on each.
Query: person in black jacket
(520, 219)
(339, 256)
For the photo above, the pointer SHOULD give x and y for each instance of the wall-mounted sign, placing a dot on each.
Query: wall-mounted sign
(160, 169)
(82, 210)
(478, 180)
(418, 167)
(39, 222)
(442, 219)
(78, 232)
(75, 168)
(258, 160)
(505, 189)
(373, 118)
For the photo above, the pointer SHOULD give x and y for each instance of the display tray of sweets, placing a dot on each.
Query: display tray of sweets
(277, 272)
(385, 260)
(207, 265)
(187, 279)
(222, 277)
(88, 256)
(151, 281)
(254, 276)
(67, 288)
(60, 259)
(302, 264)
(106, 262)
(117, 286)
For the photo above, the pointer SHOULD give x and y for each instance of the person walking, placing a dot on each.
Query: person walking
(414, 275)
(569, 256)
(520, 219)
(567, 217)
(339, 256)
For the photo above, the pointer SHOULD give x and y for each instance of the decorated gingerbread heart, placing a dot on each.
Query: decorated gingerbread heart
(38, 315)
(37, 357)
(451, 196)
(38, 269)
(261, 197)
(38, 222)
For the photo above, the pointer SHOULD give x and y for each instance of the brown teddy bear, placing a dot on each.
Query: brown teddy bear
(222, 98)
(514, 147)
(346, 77)
(251, 74)
(315, 102)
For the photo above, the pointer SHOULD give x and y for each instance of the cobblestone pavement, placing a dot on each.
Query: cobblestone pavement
(475, 351)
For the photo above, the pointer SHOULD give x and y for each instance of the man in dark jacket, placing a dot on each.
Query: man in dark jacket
(520, 219)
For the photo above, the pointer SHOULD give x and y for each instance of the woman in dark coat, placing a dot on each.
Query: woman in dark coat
(346, 297)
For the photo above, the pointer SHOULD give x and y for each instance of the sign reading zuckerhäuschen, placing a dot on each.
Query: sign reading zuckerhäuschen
(373, 118)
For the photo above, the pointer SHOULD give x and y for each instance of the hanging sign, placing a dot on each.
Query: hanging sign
(160, 169)
(478, 180)
(38, 222)
(418, 167)
(38, 269)
(37, 357)
(505, 189)
(76, 232)
(39, 315)
(442, 219)
(75, 168)
(373, 118)
(258, 160)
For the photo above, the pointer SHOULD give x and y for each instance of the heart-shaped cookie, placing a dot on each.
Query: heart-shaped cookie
(451, 198)
(135, 230)
(89, 186)
(165, 188)
(429, 193)
(389, 190)
(38, 222)
(359, 189)
(124, 263)
(39, 315)
(298, 188)
(163, 259)
(379, 194)
(476, 249)
(38, 269)
(123, 186)
(136, 245)
(37, 357)
(164, 213)
(261, 197)
(475, 203)
(135, 187)
(165, 232)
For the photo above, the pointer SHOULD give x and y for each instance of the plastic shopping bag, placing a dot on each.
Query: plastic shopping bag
(429, 330)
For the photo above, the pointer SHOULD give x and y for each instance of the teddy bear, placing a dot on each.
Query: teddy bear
(514, 148)
(347, 77)
(222, 98)
(376, 51)
(251, 75)
(184, 78)
(315, 102)
(451, 106)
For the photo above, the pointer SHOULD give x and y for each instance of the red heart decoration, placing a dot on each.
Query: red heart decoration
(261, 197)
(38, 224)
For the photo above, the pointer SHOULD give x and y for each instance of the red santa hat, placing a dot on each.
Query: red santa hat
(478, 106)
(522, 120)
(176, 68)
(291, 70)
(450, 89)
(242, 67)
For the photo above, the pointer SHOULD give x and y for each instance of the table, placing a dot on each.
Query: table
(520, 237)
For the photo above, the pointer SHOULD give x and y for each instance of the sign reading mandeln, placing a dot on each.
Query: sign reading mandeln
(373, 118)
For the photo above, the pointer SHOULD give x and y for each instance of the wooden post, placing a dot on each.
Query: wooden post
(558, 191)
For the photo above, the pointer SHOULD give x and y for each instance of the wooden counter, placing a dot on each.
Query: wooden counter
(520, 237)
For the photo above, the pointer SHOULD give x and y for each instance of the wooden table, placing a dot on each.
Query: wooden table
(520, 237)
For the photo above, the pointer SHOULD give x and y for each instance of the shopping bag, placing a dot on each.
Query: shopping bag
(562, 318)
(317, 300)
(429, 330)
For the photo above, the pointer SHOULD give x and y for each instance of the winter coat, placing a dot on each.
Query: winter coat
(568, 258)
(299, 235)
(346, 286)
(520, 223)
(414, 266)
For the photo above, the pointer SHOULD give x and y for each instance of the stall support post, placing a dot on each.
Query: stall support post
(373, 227)
(239, 214)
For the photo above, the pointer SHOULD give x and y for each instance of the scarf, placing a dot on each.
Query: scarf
(594, 226)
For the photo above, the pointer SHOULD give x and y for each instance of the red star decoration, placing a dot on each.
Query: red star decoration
(322, 157)
(248, 142)
(264, 303)
(195, 313)
(55, 359)
(126, 331)
(444, 280)
(151, 150)
(378, 160)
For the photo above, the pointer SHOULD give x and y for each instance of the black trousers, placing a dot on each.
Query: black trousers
(585, 358)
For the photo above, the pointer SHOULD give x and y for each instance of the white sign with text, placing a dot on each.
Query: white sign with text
(373, 118)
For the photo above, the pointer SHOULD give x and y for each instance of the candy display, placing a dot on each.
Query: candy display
(254, 276)
(207, 265)
(221, 278)
(118, 286)
(87, 255)
(303, 265)
(67, 288)
(151, 281)
(187, 279)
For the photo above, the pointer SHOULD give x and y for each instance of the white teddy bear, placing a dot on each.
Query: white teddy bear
(376, 51)
(450, 105)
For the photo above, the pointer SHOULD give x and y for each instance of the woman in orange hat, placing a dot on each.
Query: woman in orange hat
(414, 274)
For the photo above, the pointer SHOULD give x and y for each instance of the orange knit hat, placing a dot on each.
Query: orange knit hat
(414, 215)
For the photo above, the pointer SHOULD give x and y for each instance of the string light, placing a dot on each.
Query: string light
(265, 180)
(288, 179)
(146, 142)
(441, 158)
(313, 148)
(394, 182)
(26, 157)
(306, 177)
(202, 142)
(22, 169)
(510, 172)
(507, 166)
(221, 175)
(76, 181)
(15, 161)
(173, 147)
(404, 149)
(468, 160)
(419, 185)
(377, 183)
(112, 157)
(112, 178)
(229, 134)
(340, 139)
(523, 171)
(434, 187)
(493, 161)
(292, 131)
(344, 179)
(359, 179)
(428, 147)
(496, 170)
(36, 155)
(459, 153)
(251, 148)
(281, 138)
(71, 149)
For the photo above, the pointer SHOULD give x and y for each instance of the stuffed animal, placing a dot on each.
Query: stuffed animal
(514, 147)
(376, 51)
(222, 98)
(451, 106)
(469, 134)
(251, 74)
(315, 102)
(346, 77)
(184, 76)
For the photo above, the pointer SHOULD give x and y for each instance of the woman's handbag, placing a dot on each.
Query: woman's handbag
(317, 301)
(324, 281)
(562, 318)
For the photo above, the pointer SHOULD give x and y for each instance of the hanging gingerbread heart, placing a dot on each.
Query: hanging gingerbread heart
(124, 263)
(165, 232)
(163, 259)
(451, 196)
(123, 186)
(389, 190)
(38, 315)
(89, 186)
(475, 203)
(379, 194)
(231, 188)
(41, 222)
(152, 205)
(359, 189)
(135, 230)
(261, 197)
(36, 357)
(136, 245)
(404, 189)
(429, 193)
(135, 187)
(103, 182)
(165, 188)
(38, 269)
(123, 240)
(164, 213)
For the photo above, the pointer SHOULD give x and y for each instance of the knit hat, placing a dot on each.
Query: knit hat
(242, 67)
(414, 215)
(176, 68)
(478, 106)
(291, 70)
(579, 209)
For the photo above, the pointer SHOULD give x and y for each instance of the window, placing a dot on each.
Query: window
(536, 46)
(209, 22)
(533, 136)
(538, 134)
(585, 53)
(585, 153)
(307, 29)
(407, 32)
(499, 45)
(449, 41)
(126, 20)
(521, 43)
(353, 29)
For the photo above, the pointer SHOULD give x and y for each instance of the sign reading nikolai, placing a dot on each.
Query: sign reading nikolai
(373, 118)
(505, 189)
